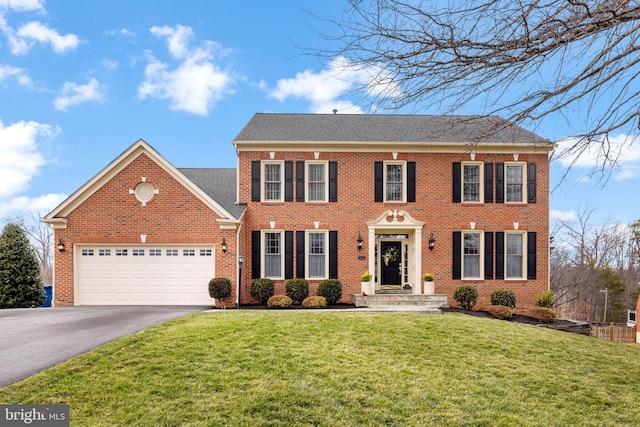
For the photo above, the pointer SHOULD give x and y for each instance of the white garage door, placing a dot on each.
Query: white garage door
(143, 275)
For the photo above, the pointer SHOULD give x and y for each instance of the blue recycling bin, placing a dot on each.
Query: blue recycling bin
(48, 294)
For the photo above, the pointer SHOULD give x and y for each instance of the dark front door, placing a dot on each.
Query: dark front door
(390, 263)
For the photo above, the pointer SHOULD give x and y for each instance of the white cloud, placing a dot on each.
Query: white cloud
(22, 5)
(21, 159)
(620, 154)
(73, 94)
(555, 215)
(36, 31)
(7, 71)
(121, 32)
(37, 205)
(196, 83)
(324, 89)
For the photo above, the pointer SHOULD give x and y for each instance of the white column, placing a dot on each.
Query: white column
(417, 259)
(371, 248)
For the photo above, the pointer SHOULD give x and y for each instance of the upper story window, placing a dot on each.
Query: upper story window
(515, 180)
(515, 259)
(272, 173)
(317, 181)
(472, 182)
(394, 181)
(471, 255)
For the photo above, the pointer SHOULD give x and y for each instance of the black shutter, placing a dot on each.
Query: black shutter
(456, 271)
(411, 182)
(299, 181)
(531, 255)
(531, 183)
(300, 254)
(488, 182)
(488, 255)
(333, 254)
(333, 181)
(379, 181)
(456, 180)
(499, 182)
(288, 254)
(288, 181)
(255, 254)
(255, 181)
(500, 255)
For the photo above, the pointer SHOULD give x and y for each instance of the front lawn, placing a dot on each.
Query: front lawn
(285, 368)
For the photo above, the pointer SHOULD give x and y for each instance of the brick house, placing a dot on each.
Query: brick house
(465, 198)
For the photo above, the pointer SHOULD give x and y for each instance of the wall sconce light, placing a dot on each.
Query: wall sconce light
(224, 246)
(359, 240)
(61, 246)
(432, 242)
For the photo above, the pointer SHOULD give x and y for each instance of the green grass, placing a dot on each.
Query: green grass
(283, 368)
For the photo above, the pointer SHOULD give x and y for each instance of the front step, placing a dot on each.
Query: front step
(386, 300)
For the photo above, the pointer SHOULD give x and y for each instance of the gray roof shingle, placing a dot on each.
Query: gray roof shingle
(385, 128)
(219, 184)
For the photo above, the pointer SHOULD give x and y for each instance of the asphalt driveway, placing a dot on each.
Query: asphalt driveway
(32, 340)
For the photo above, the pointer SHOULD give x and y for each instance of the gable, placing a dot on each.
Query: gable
(123, 175)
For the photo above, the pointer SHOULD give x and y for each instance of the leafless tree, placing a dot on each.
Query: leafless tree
(523, 60)
(41, 238)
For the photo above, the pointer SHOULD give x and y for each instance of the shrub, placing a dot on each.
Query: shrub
(428, 277)
(503, 297)
(220, 289)
(546, 299)
(279, 301)
(366, 277)
(466, 296)
(297, 289)
(500, 311)
(331, 289)
(314, 302)
(543, 314)
(262, 289)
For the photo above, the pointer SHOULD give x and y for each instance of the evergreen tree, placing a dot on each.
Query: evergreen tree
(20, 280)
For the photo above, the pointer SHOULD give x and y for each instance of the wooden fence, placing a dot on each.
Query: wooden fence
(614, 332)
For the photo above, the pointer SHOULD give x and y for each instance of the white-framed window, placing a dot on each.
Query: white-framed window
(122, 252)
(138, 252)
(395, 181)
(188, 252)
(273, 254)
(172, 252)
(317, 254)
(472, 177)
(317, 173)
(514, 182)
(272, 181)
(472, 254)
(155, 252)
(87, 252)
(104, 252)
(515, 259)
(205, 252)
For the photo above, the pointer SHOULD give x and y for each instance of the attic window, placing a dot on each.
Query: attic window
(144, 192)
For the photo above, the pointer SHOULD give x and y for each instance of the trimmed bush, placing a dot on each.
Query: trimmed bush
(546, 299)
(279, 301)
(466, 296)
(220, 289)
(314, 302)
(262, 289)
(504, 297)
(331, 289)
(543, 314)
(297, 289)
(500, 311)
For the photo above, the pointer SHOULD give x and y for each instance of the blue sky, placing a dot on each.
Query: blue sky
(80, 81)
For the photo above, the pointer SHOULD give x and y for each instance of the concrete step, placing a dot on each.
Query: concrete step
(388, 300)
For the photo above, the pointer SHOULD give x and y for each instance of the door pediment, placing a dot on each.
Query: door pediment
(394, 219)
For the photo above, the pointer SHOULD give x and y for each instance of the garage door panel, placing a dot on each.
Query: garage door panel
(175, 275)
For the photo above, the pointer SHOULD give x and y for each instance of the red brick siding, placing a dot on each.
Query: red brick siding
(112, 215)
(433, 205)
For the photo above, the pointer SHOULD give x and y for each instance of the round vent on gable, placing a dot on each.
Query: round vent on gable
(144, 192)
